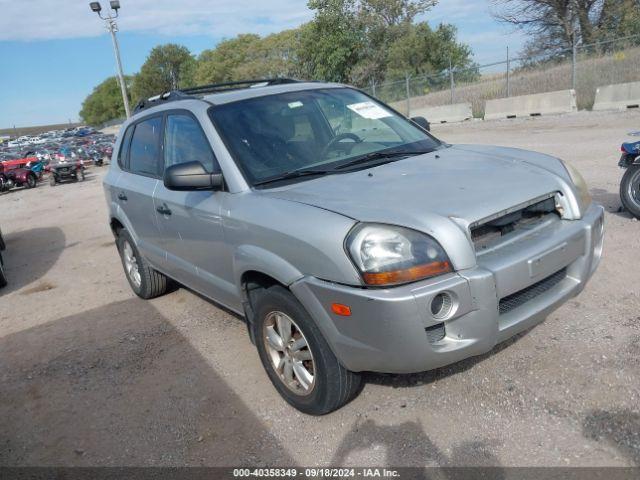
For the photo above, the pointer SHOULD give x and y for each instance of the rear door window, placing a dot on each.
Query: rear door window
(144, 153)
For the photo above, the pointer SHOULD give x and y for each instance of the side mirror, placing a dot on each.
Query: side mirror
(422, 123)
(191, 176)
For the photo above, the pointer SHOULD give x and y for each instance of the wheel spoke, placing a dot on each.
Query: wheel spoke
(302, 375)
(288, 372)
(275, 340)
(284, 328)
(298, 344)
(302, 355)
(280, 365)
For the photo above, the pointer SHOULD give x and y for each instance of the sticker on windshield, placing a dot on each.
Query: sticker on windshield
(369, 110)
(295, 104)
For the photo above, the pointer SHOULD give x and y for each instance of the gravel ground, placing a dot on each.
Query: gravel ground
(91, 375)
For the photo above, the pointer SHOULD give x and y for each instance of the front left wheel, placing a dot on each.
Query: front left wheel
(297, 358)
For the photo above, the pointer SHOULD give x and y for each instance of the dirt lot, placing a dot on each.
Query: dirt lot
(91, 375)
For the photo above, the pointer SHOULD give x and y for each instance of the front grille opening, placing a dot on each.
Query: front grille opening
(490, 232)
(515, 300)
(435, 333)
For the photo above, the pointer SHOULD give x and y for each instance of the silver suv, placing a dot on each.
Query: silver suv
(348, 236)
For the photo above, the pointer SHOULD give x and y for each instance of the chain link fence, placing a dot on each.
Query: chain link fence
(583, 68)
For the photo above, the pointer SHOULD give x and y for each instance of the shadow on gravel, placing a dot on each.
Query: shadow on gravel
(407, 445)
(120, 386)
(610, 201)
(422, 378)
(30, 254)
(620, 428)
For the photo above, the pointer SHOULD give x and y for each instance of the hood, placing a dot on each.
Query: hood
(461, 183)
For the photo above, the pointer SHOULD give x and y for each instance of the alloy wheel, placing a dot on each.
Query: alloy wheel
(289, 353)
(131, 264)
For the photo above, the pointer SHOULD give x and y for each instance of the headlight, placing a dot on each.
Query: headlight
(390, 255)
(581, 185)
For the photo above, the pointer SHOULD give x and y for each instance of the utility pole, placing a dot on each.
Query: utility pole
(112, 28)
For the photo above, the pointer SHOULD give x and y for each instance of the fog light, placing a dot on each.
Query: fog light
(441, 305)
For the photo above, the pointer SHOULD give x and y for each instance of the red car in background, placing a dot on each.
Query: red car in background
(16, 173)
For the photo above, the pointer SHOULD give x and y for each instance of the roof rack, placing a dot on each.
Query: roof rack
(194, 92)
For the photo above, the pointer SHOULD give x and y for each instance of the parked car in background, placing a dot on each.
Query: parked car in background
(12, 176)
(65, 169)
(349, 238)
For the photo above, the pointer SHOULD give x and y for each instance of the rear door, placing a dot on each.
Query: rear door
(193, 235)
(134, 190)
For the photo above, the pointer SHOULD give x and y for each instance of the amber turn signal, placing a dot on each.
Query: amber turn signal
(340, 309)
(407, 275)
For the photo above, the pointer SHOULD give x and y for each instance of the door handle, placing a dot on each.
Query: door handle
(122, 196)
(163, 209)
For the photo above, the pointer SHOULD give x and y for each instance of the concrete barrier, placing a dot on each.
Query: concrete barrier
(562, 101)
(618, 97)
(458, 112)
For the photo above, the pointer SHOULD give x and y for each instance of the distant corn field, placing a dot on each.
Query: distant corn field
(592, 71)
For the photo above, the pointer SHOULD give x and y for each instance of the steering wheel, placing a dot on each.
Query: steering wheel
(335, 142)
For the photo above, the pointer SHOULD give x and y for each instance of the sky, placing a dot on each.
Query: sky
(53, 52)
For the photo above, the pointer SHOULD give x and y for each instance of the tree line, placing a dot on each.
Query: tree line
(556, 26)
(352, 41)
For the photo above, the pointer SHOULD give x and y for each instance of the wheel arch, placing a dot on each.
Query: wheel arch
(116, 225)
(257, 269)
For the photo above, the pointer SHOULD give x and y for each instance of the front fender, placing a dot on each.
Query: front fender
(248, 258)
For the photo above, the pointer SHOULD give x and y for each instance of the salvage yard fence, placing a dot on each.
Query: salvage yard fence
(583, 68)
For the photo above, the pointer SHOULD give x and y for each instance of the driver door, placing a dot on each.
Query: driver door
(191, 221)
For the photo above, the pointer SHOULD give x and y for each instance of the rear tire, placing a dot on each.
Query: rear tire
(324, 385)
(630, 190)
(80, 176)
(144, 281)
(52, 180)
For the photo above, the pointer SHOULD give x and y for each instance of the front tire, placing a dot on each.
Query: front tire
(144, 281)
(630, 190)
(80, 175)
(297, 358)
(32, 181)
(52, 180)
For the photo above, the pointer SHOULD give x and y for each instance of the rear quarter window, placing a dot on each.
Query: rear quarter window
(123, 154)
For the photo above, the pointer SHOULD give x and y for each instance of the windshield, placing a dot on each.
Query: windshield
(314, 131)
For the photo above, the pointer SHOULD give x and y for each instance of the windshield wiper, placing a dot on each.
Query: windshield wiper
(381, 155)
(293, 174)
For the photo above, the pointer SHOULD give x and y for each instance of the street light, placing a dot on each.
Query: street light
(112, 27)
